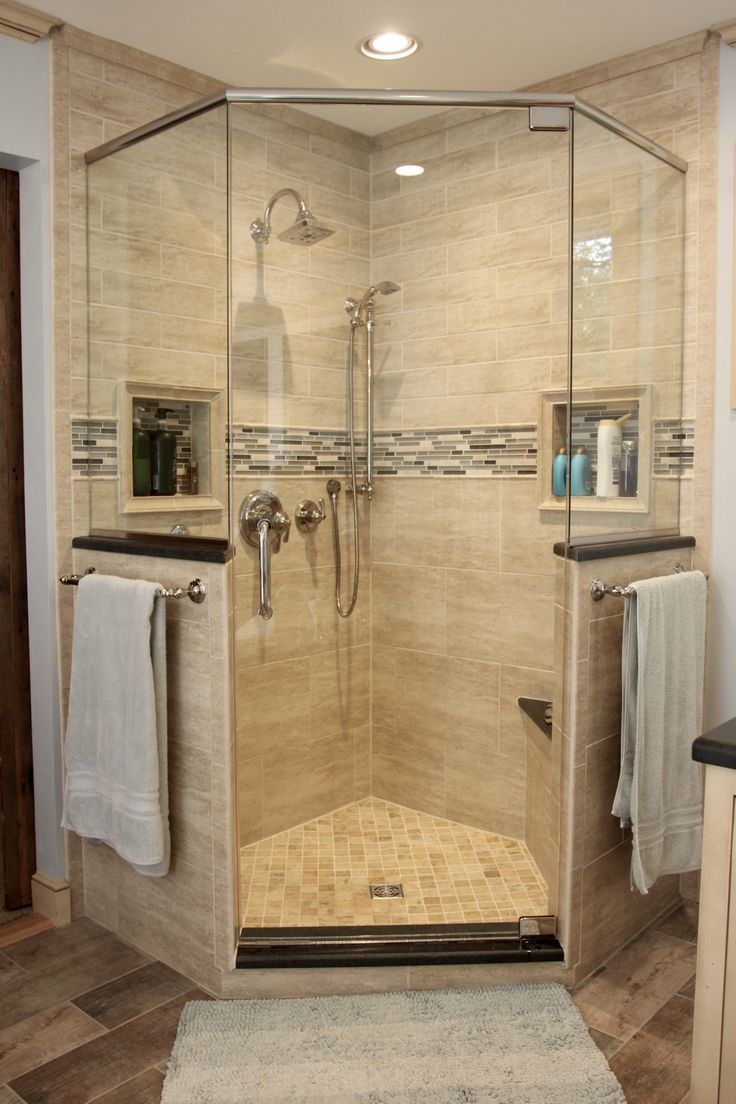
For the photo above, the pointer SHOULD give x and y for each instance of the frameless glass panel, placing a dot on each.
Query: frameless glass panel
(631, 440)
(150, 449)
(388, 746)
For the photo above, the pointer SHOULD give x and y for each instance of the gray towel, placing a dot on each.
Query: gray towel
(116, 787)
(660, 788)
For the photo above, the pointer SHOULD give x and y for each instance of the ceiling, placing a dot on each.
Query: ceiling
(467, 44)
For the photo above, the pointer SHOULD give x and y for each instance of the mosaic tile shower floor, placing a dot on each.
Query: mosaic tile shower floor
(319, 873)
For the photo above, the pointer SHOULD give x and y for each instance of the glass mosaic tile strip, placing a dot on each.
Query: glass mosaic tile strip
(503, 451)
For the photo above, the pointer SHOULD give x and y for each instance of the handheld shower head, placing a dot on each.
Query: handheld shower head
(304, 231)
(354, 307)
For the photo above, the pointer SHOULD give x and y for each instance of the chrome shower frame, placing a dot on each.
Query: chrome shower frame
(376, 96)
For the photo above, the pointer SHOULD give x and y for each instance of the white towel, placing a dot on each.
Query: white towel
(660, 787)
(116, 787)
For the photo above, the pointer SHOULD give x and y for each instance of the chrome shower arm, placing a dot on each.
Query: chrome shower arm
(260, 228)
(274, 200)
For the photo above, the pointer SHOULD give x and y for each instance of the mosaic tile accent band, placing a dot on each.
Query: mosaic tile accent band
(674, 446)
(495, 451)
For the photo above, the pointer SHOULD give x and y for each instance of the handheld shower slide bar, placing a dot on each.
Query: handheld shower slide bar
(361, 314)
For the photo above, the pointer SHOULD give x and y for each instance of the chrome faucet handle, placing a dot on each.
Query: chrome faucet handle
(280, 527)
(309, 515)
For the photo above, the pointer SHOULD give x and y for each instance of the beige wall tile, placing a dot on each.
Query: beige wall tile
(507, 635)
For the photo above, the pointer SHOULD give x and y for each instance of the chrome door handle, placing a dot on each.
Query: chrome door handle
(264, 524)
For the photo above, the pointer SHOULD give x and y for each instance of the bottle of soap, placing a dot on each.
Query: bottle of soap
(163, 456)
(141, 455)
(581, 479)
(559, 474)
(609, 455)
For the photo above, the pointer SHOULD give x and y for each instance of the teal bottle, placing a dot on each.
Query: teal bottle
(163, 457)
(141, 457)
(559, 474)
(581, 475)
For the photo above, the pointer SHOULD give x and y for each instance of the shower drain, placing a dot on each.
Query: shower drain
(389, 889)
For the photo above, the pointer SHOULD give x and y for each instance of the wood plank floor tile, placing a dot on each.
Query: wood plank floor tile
(7, 1096)
(131, 995)
(43, 989)
(654, 1066)
(636, 983)
(605, 1043)
(688, 990)
(9, 972)
(27, 926)
(49, 948)
(144, 1089)
(682, 923)
(38, 1039)
(107, 1062)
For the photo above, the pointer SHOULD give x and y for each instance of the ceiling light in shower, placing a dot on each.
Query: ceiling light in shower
(409, 170)
(389, 45)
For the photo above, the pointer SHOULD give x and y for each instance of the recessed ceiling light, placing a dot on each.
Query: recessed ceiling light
(389, 45)
(409, 170)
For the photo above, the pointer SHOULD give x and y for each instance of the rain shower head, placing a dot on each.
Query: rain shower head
(305, 230)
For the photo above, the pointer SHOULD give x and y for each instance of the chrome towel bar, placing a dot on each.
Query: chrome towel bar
(599, 589)
(196, 590)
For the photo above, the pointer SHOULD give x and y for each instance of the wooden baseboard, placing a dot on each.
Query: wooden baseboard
(51, 898)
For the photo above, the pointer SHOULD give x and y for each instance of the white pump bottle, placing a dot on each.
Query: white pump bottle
(610, 436)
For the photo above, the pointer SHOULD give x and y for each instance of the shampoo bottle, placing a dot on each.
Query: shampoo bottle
(609, 455)
(163, 457)
(581, 481)
(141, 456)
(559, 474)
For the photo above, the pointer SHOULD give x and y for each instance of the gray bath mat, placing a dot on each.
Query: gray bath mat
(511, 1044)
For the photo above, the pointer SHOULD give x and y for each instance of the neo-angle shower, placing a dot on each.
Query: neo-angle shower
(361, 313)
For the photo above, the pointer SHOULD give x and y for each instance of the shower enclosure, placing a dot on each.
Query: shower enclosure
(415, 351)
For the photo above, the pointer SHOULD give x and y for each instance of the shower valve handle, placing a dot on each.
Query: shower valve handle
(264, 524)
(309, 515)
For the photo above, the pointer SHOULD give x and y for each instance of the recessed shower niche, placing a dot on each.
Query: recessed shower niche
(383, 742)
(191, 464)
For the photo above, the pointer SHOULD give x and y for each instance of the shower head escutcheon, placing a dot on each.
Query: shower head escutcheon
(305, 230)
(355, 307)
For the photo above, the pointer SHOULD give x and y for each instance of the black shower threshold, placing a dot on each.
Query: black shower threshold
(399, 945)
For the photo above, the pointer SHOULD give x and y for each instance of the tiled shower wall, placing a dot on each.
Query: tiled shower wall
(302, 689)
(462, 592)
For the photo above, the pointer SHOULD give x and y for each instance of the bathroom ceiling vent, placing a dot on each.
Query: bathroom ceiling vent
(389, 889)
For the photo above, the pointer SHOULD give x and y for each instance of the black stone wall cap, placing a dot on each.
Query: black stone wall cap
(627, 547)
(162, 545)
(717, 748)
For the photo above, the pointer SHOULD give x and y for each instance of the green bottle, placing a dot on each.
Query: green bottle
(163, 456)
(141, 456)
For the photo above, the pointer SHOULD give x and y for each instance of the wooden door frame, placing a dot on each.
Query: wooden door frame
(16, 748)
